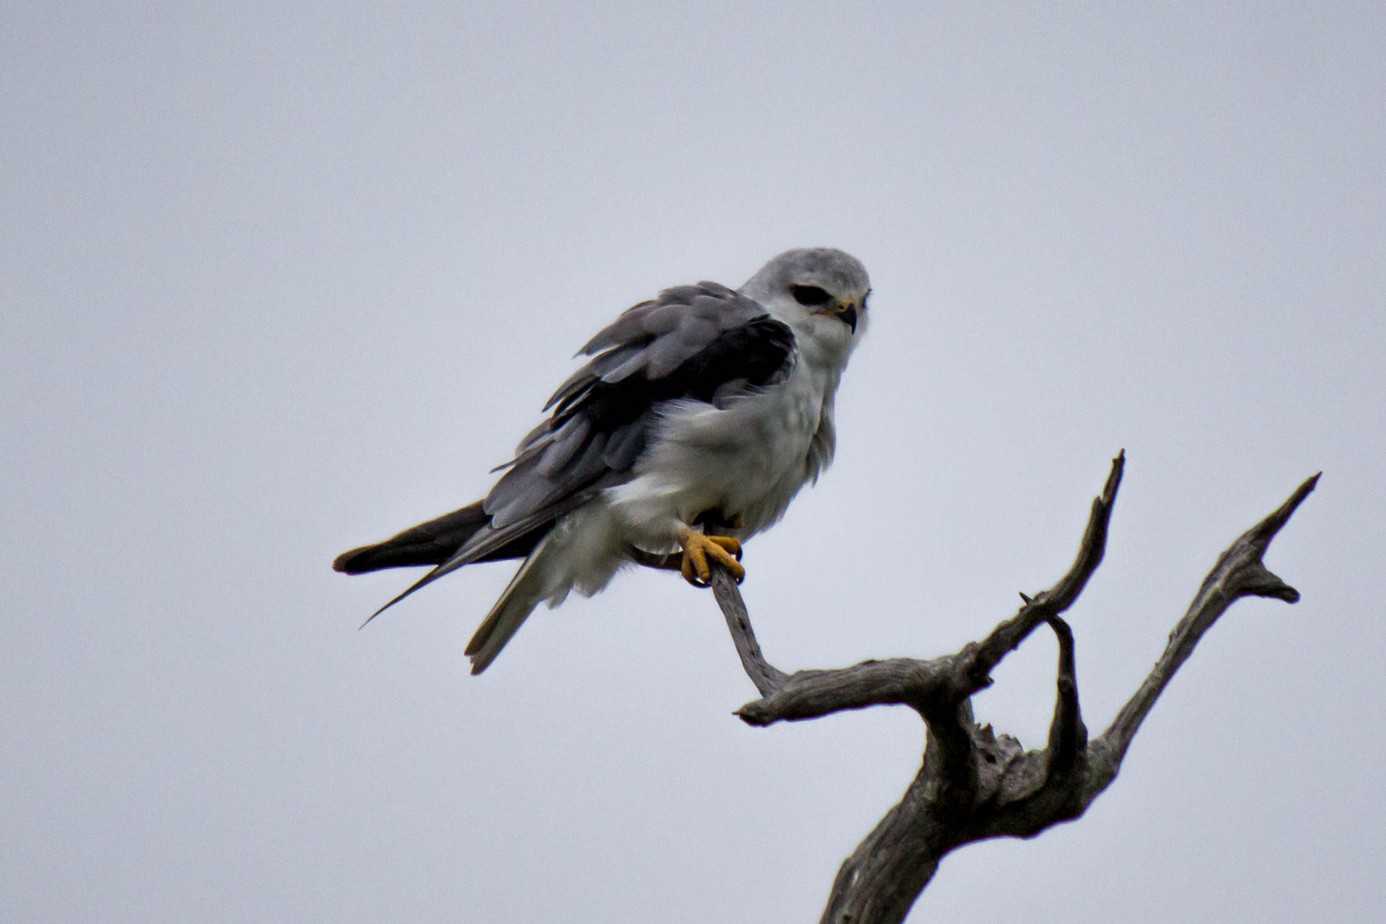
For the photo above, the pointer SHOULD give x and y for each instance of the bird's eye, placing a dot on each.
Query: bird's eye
(809, 296)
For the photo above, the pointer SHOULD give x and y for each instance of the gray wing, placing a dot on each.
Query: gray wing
(700, 342)
(703, 342)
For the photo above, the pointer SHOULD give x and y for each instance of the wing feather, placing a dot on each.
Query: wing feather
(703, 343)
(570, 440)
(624, 446)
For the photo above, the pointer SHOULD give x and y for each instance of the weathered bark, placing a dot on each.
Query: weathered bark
(974, 784)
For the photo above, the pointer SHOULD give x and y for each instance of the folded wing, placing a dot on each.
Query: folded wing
(703, 342)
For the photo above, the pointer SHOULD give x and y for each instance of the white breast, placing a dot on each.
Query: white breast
(747, 460)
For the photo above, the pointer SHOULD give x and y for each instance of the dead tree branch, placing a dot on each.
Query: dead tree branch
(974, 784)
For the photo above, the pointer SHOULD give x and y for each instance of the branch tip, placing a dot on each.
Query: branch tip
(1109, 490)
(1239, 572)
(1263, 532)
(1286, 510)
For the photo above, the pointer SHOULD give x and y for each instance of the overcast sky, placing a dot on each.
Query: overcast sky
(280, 283)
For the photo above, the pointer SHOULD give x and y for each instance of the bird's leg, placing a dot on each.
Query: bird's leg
(698, 548)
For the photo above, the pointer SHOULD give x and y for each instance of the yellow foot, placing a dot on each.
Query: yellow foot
(698, 548)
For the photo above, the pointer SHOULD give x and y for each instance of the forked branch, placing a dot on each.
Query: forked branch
(974, 784)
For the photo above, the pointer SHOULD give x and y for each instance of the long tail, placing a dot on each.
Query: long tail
(431, 543)
(464, 537)
(529, 586)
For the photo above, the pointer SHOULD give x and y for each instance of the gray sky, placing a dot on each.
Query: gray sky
(278, 283)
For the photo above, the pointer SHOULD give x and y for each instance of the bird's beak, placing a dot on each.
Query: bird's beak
(846, 312)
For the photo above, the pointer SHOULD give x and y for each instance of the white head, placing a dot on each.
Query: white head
(819, 292)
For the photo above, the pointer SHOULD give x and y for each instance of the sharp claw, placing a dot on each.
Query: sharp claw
(725, 550)
(729, 561)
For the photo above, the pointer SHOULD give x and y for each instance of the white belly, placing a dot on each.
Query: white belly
(747, 461)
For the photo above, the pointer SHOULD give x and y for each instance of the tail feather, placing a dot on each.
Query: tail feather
(430, 543)
(525, 591)
(464, 537)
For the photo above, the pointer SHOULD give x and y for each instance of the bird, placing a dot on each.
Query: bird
(695, 420)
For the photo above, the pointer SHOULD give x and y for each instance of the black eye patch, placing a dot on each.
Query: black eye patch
(809, 296)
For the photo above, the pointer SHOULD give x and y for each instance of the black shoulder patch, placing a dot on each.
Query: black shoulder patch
(755, 353)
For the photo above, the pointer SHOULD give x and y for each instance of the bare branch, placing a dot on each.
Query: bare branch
(882, 878)
(763, 674)
(1239, 572)
(1068, 737)
(811, 694)
(975, 784)
(1006, 637)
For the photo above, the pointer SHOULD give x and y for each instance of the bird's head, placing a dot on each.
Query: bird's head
(817, 291)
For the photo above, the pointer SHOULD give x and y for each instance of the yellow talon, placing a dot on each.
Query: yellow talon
(698, 548)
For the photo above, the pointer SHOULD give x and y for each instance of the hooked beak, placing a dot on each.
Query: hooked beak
(846, 312)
